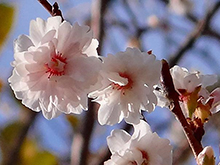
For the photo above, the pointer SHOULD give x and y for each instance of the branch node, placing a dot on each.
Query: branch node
(53, 10)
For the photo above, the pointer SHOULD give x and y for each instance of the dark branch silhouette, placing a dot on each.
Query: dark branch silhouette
(53, 10)
(200, 29)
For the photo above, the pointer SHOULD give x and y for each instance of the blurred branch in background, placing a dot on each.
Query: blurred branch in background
(99, 9)
(13, 136)
(84, 137)
(199, 30)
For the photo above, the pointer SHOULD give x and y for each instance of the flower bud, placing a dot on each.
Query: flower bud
(206, 157)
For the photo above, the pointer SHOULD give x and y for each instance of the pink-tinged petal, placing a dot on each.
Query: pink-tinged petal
(16, 83)
(64, 37)
(141, 129)
(53, 23)
(21, 70)
(91, 49)
(191, 82)
(117, 140)
(48, 37)
(22, 43)
(216, 103)
(208, 80)
(109, 114)
(51, 114)
(35, 67)
(32, 102)
(133, 118)
(117, 79)
(109, 162)
(36, 30)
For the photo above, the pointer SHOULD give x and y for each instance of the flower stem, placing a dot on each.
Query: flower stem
(53, 10)
(172, 95)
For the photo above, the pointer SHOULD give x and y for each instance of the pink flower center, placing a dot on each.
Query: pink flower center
(145, 158)
(123, 87)
(57, 65)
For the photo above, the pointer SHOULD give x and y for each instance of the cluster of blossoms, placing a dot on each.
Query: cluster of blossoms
(57, 68)
(195, 100)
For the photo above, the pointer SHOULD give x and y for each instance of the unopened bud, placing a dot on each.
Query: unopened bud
(206, 157)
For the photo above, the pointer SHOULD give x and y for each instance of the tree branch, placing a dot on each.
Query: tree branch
(173, 96)
(199, 30)
(12, 155)
(97, 23)
(86, 131)
(53, 10)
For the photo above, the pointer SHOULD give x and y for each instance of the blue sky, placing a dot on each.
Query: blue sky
(26, 10)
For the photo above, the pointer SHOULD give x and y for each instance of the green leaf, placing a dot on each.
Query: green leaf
(7, 17)
(74, 121)
(192, 101)
(31, 154)
(45, 158)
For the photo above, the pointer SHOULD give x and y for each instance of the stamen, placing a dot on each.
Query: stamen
(123, 87)
(145, 158)
(57, 65)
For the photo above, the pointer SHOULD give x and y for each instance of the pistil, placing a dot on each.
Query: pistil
(57, 65)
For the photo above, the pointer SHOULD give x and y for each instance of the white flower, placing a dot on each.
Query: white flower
(127, 86)
(193, 95)
(192, 89)
(215, 104)
(189, 81)
(142, 148)
(54, 68)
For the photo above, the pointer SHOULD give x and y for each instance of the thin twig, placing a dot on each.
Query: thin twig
(53, 10)
(172, 95)
(199, 30)
(87, 129)
(97, 22)
(98, 27)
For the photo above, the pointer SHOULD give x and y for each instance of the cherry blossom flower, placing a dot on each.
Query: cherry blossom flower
(193, 96)
(142, 148)
(54, 67)
(127, 86)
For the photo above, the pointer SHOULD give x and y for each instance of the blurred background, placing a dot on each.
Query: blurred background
(184, 32)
